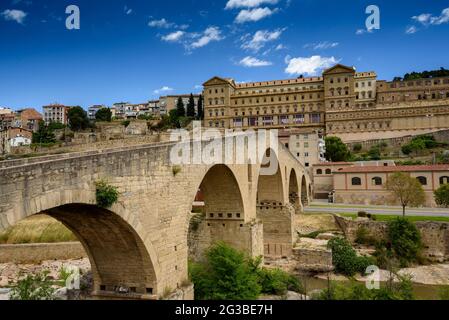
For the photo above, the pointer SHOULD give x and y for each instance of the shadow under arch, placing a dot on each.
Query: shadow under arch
(121, 264)
(304, 192)
(276, 215)
(293, 191)
(223, 215)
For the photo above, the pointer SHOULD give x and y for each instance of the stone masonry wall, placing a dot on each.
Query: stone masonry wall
(435, 235)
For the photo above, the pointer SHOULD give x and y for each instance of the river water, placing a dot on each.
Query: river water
(422, 291)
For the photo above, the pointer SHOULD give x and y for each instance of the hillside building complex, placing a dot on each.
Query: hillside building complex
(354, 106)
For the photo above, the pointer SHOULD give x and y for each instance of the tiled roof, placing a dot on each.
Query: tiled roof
(334, 164)
(441, 167)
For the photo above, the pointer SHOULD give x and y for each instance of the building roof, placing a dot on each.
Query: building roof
(381, 169)
(324, 164)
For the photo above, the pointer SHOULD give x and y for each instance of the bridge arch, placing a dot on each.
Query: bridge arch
(123, 262)
(293, 191)
(304, 191)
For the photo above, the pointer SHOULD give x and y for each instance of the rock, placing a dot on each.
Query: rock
(325, 236)
(61, 294)
(296, 296)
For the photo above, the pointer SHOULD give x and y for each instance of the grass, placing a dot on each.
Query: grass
(37, 229)
(380, 217)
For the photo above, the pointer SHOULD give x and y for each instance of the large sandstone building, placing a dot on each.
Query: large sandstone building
(352, 105)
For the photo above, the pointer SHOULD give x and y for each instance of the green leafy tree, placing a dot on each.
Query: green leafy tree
(44, 134)
(336, 150)
(174, 118)
(104, 114)
(180, 109)
(200, 108)
(405, 241)
(374, 153)
(78, 119)
(191, 107)
(406, 189)
(442, 195)
(227, 275)
(357, 147)
(106, 194)
(33, 287)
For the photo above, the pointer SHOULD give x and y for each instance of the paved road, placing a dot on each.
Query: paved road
(381, 210)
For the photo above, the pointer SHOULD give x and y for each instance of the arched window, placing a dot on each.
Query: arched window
(376, 181)
(444, 180)
(356, 181)
(319, 171)
(328, 171)
(422, 180)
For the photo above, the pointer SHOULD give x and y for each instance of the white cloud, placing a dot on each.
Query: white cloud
(363, 31)
(162, 90)
(162, 23)
(233, 4)
(127, 10)
(429, 19)
(422, 18)
(174, 36)
(411, 30)
(322, 45)
(308, 66)
(280, 47)
(260, 38)
(14, 15)
(209, 35)
(254, 15)
(251, 62)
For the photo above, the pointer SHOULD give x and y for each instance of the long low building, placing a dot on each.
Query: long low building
(366, 185)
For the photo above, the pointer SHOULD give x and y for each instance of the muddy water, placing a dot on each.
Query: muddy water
(422, 292)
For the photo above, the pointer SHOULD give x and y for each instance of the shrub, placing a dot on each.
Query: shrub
(126, 123)
(345, 258)
(176, 170)
(405, 241)
(362, 214)
(364, 237)
(33, 287)
(226, 275)
(357, 147)
(276, 281)
(106, 194)
(442, 195)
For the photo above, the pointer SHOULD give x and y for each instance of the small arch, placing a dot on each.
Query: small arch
(356, 181)
(319, 172)
(328, 171)
(422, 180)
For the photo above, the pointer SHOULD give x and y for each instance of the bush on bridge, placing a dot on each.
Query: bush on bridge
(106, 194)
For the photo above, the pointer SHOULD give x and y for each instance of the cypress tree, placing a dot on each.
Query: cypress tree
(200, 108)
(180, 110)
(191, 107)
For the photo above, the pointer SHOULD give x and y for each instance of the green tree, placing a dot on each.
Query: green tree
(336, 150)
(33, 287)
(174, 118)
(78, 119)
(191, 107)
(357, 147)
(200, 108)
(442, 195)
(227, 275)
(104, 114)
(406, 189)
(374, 153)
(405, 241)
(180, 109)
(44, 134)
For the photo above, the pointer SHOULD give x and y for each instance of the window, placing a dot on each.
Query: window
(328, 171)
(319, 171)
(356, 181)
(422, 180)
(444, 180)
(376, 181)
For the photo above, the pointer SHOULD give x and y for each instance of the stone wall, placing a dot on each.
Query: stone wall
(435, 235)
(316, 260)
(36, 253)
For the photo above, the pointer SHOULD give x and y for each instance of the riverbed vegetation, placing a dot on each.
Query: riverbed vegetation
(228, 274)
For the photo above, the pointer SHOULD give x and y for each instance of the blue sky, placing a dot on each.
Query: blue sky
(136, 50)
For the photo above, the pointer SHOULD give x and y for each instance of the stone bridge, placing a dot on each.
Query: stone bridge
(140, 243)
